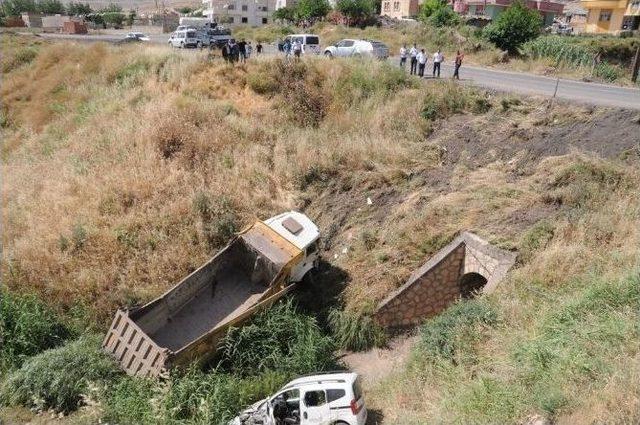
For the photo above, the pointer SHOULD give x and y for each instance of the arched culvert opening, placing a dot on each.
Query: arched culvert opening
(471, 284)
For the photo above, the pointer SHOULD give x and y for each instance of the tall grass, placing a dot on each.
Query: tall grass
(27, 327)
(60, 378)
(562, 51)
(355, 331)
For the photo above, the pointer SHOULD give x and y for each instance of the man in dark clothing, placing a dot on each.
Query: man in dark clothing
(259, 48)
(243, 50)
(458, 64)
(226, 52)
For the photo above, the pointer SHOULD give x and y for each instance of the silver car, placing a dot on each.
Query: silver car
(351, 47)
(184, 38)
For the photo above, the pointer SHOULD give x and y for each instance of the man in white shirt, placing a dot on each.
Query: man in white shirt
(403, 56)
(413, 53)
(437, 60)
(422, 62)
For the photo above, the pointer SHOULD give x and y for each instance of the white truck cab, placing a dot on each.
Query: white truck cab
(298, 229)
(333, 398)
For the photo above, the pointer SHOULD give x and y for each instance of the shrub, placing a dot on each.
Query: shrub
(453, 332)
(444, 17)
(355, 331)
(607, 72)
(359, 12)
(27, 327)
(513, 27)
(451, 99)
(279, 340)
(59, 378)
(21, 57)
(218, 218)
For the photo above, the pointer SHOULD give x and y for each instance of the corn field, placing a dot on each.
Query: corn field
(560, 49)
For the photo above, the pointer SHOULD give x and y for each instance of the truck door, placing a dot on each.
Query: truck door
(315, 409)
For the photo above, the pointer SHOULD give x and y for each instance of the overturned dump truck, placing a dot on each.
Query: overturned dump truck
(186, 324)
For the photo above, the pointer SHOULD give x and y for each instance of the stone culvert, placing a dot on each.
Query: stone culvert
(465, 267)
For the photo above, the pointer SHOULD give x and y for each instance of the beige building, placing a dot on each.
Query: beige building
(239, 12)
(399, 8)
(611, 16)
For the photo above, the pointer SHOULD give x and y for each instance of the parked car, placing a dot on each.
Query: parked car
(135, 36)
(327, 399)
(184, 38)
(351, 47)
(310, 42)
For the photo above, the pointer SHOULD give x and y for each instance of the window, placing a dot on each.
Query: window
(265, 20)
(315, 398)
(605, 15)
(345, 43)
(333, 395)
(231, 7)
(230, 19)
(387, 6)
(396, 5)
(245, 19)
(245, 8)
(312, 39)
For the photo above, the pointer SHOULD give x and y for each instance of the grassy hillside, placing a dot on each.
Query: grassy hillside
(124, 168)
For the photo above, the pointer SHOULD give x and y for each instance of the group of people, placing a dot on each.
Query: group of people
(291, 48)
(418, 61)
(239, 52)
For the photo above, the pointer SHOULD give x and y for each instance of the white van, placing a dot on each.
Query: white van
(324, 399)
(310, 42)
(184, 38)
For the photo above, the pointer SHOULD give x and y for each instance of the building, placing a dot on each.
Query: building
(575, 16)
(32, 19)
(399, 8)
(612, 16)
(492, 8)
(239, 12)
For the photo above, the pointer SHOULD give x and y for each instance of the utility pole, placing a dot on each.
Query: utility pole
(636, 66)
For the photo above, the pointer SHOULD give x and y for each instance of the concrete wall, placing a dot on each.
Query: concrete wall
(399, 8)
(437, 284)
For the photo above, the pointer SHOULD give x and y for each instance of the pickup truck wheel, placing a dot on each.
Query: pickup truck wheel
(328, 54)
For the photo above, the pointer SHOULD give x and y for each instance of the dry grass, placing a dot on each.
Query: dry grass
(150, 157)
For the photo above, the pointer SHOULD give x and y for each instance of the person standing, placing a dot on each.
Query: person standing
(413, 53)
(297, 49)
(437, 60)
(249, 49)
(243, 50)
(286, 47)
(458, 64)
(403, 56)
(258, 48)
(422, 62)
(234, 50)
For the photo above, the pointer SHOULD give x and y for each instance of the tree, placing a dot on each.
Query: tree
(358, 11)
(444, 17)
(16, 7)
(285, 14)
(114, 18)
(131, 17)
(312, 9)
(112, 8)
(51, 7)
(74, 9)
(185, 10)
(429, 7)
(513, 27)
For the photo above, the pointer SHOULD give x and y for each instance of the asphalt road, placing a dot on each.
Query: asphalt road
(516, 82)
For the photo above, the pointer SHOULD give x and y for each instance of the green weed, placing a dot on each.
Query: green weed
(27, 327)
(59, 378)
(355, 331)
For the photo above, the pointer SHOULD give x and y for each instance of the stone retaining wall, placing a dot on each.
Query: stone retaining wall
(436, 284)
